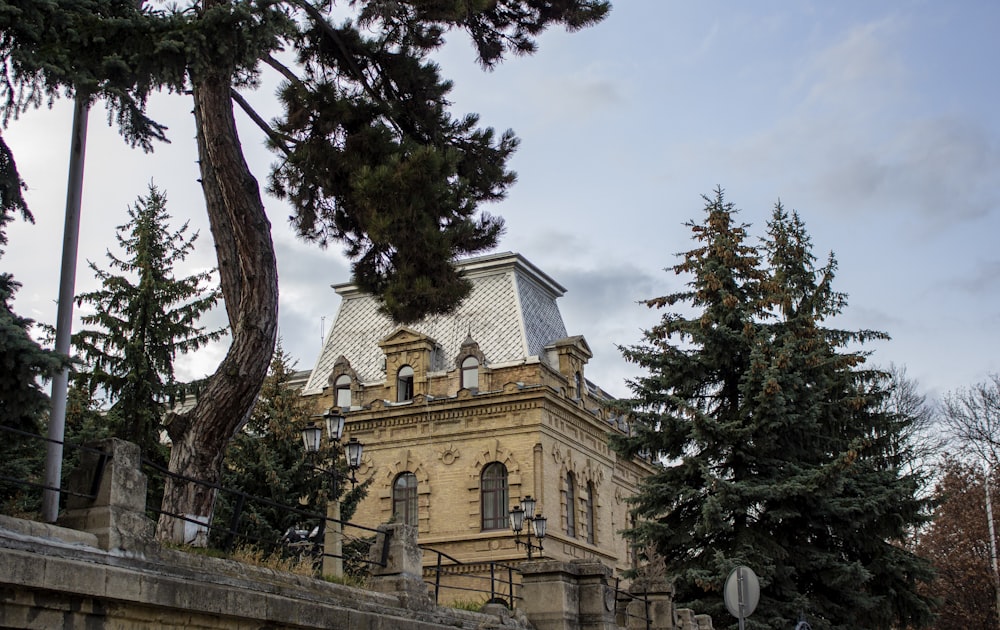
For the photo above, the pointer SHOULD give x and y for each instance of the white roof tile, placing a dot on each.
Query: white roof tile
(511, 313)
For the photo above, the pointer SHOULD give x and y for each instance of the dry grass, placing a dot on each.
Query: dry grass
(290, 564)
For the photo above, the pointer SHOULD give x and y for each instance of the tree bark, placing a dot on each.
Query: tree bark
(249, 278)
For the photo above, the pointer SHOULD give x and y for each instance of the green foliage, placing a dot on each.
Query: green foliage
(23, 362)
(266, 459)
(370, 155)
(472, 605)
(142, 320)
(779, 450)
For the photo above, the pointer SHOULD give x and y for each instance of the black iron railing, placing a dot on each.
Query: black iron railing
(32, 480)
(493, 582)
(305, 539)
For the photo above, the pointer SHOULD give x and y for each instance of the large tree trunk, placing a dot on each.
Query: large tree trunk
(249, 277)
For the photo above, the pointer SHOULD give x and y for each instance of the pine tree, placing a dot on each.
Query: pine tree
(778, 453)
(23, 362)
(374, 157)
(690, 408)
(144, 318)
(266, 460)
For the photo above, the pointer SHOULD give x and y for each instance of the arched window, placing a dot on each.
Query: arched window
(342, 387)
(570, 504)
(591, 521)
(404, 384)
(493, 492)
(404, 498)
(470, 373)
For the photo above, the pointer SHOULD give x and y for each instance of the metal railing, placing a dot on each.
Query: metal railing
(224, 535)
(622, 600)
(227, 534)
(451, 574)
(69, 450)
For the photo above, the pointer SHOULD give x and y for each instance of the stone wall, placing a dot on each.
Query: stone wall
(106, 572)
(52, 577)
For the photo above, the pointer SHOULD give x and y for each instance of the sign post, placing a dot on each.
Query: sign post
(742, 592)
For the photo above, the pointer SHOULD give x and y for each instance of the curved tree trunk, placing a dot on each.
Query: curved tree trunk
(249, 277)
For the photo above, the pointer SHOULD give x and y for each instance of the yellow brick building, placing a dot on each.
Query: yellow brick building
(464, 415)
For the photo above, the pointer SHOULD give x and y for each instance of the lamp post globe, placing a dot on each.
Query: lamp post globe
(334, 425)
(539, 523)
(311, 436)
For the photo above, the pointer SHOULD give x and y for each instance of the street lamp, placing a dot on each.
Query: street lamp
(526, 512)
(312, 437)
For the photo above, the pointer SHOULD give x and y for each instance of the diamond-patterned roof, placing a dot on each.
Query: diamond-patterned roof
(511, 313)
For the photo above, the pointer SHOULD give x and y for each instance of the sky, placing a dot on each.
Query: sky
(877, 121)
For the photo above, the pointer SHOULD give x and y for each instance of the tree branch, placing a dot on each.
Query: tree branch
(280, 141)
(282, 69)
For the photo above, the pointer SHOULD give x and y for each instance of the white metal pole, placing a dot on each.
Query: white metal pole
(993, 543)
(64, 316)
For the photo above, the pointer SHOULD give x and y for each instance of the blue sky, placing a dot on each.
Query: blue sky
(876, 121)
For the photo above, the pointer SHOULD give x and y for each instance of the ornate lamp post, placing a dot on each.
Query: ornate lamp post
(312, 436)
(526, 512)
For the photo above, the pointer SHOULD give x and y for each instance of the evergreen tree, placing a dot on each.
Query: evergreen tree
(369, 154)
(144, 317)
(266, 460)
(23, 362)
(782, 456)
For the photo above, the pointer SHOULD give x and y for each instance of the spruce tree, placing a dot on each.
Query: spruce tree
(143, 318)
(266, 460)
(804, 482)
(690, 408)
(23, 362)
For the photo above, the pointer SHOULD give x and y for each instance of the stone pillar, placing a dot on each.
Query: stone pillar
(550, 595)
(703, 622)
(402, 574)
(659, 597)
(116, 515)
(685, 619)
(597, 597)
(333, 541)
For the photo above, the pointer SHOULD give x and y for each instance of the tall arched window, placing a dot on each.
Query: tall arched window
(404, 384)
(342, 387)
(570, 504)
(470, 373)
(493, 493)
(404, 498)
(591, 520)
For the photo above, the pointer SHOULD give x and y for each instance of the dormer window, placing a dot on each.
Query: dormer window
(579, 385)
(404, 384)
(342, 389)
(470, 373)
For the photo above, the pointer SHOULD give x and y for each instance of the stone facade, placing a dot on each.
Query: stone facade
(497, 382)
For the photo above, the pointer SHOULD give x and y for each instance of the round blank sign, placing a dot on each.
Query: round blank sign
(742, 592)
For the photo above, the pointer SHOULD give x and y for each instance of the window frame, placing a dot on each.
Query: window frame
(404, 499)
(493, 497)
(404, 383)
(591, 516)
(472, 369)
(341, 384)
(570, 504)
